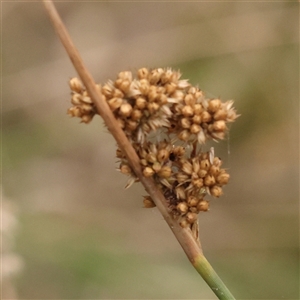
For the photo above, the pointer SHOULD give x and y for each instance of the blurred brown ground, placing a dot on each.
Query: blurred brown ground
(81, 235)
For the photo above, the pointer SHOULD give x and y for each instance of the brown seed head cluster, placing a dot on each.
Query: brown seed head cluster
(184, 179)
(158, 101)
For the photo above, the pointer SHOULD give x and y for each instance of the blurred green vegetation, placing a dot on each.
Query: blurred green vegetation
(81, 236)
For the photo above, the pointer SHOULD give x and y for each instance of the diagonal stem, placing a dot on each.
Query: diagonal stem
(184, 235)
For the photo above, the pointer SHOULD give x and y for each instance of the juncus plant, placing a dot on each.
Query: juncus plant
(160, 123)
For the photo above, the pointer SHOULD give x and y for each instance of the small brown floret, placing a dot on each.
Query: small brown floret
(203, 205)
(148, 202)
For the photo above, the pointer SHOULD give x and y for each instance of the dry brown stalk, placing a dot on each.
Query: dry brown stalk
(183, 235)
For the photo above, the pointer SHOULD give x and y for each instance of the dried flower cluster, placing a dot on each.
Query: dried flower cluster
(159, 101)
(83, 106)
(185, 179)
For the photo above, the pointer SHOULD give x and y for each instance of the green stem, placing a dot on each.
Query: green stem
(204, 268)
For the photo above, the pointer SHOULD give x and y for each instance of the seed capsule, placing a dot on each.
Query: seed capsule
(191, 217)
(219, 125)
(125, 86)
(206, 117)
(170, 88)
(185, 123)
(197, 119)
(210, 128)
(136, 115)
(203, 205)
(184, 135)
(189, 99)
(192, 201)
(76, 99)
(178, 151)
(115, 103)
(117, 94)
(221, 114)
(198, 109)
(187, 111)
(143, 162)
(144, 86)
(163, 155)
(140, 103)
(76, 85)
(148, 172)
(209, 180)
(131, 125)
(125, 169)
(125, 110)
(148, 202)
(193, 209)
(182, 207)
(143, 73)
(107, 90)
(125, 75)
(155, 75)
(195, 128)
(162, 99)
(152, 107)
(184, 223)
(216, 191)
(86, 118)
(217, 161)
(87, 100)
(165, 172)
(198, 183)
(204, 164)
(152, 93)
(214, 105)
(156, 167)
(75, 111)
(223, 178)
(214, 170)
(202, 173)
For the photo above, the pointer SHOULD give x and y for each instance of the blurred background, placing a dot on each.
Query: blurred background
(70, 230)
